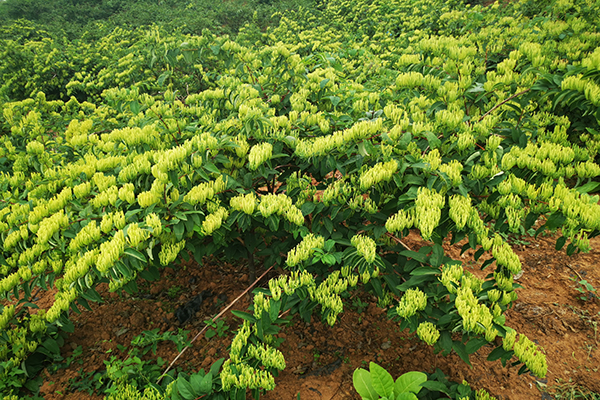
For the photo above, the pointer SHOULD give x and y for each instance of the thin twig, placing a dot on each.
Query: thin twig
(576, 273)
(213, 320)
(397, 240)
(502, 103)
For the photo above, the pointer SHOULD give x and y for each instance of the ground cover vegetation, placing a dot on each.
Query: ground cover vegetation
(314, 144)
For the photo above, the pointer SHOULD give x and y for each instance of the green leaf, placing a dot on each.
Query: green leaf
(588, 187)
(382, 381)
(437, 256)
(409, 382)
(407, 396)
(496, 354)
(436, 386)
(307, 208)
(362, 383)
(244, 315)
(460, 349)
(135, 254)
(195, 382)
(206, 384)
(185, 389)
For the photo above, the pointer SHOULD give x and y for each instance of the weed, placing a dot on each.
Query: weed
(174, 291)
(570, 391)
(219, 328)
(360, 305)
(586, 289)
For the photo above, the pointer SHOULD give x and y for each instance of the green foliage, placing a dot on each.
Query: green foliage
(377, 383)
(219, 328)
(315, 145)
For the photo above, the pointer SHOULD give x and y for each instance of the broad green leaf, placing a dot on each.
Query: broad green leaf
(185, 389)
(409, 382)
(382, 381)
(363, 385)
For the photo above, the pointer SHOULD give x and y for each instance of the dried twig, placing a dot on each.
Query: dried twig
(213, 320)
(576, 273)
(395, 239)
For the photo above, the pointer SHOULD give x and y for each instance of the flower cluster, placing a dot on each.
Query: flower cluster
(259, 153)
(365, 247)
(399, 221)
(245, 377)
(7, 314)
(428, 211)
(460, 210)
(169, 252)
(428, 333)
(327, 294)
(453, 170)
(282, 205)
(304, 249)
(245, 203)
(213, 221)
(268, 356)
(110, 252)
(476, 317)
(136, 235)
(62, 301)
(380, 172)
(322, 145)
(153, 222)
(88, 234)
(78, 269)
(527, 352)
(205, 191)
(413, 300)
(49, 226)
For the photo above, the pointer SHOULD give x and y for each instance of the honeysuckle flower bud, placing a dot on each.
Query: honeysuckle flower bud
(275, 289)
(146, 199)
(110, 252)
(169, 252)
(413, 300)
(119, 219)
(153, 221)
(126, 193)
(245, 203)
(259, 153)
(453, 170)
(451, 277)
(87, 235)
(428, 211)
(434, 159)
(106, 224)
(205, 191)
(503, 282)
(82, 190)
(270, 357)
(476, 317)
(213, 221)
(460, 210)
(304, 250)
(7, 314)
(49, 226)
(494, 295)
(136, 235)
(380, 172)
(428, 333)
(365, 247)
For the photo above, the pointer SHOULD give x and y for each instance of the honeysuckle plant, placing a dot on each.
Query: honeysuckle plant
(318, 159)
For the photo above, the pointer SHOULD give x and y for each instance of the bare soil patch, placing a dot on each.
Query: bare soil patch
(320, 359)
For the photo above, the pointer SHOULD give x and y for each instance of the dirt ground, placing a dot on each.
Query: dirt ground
(320, 360)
